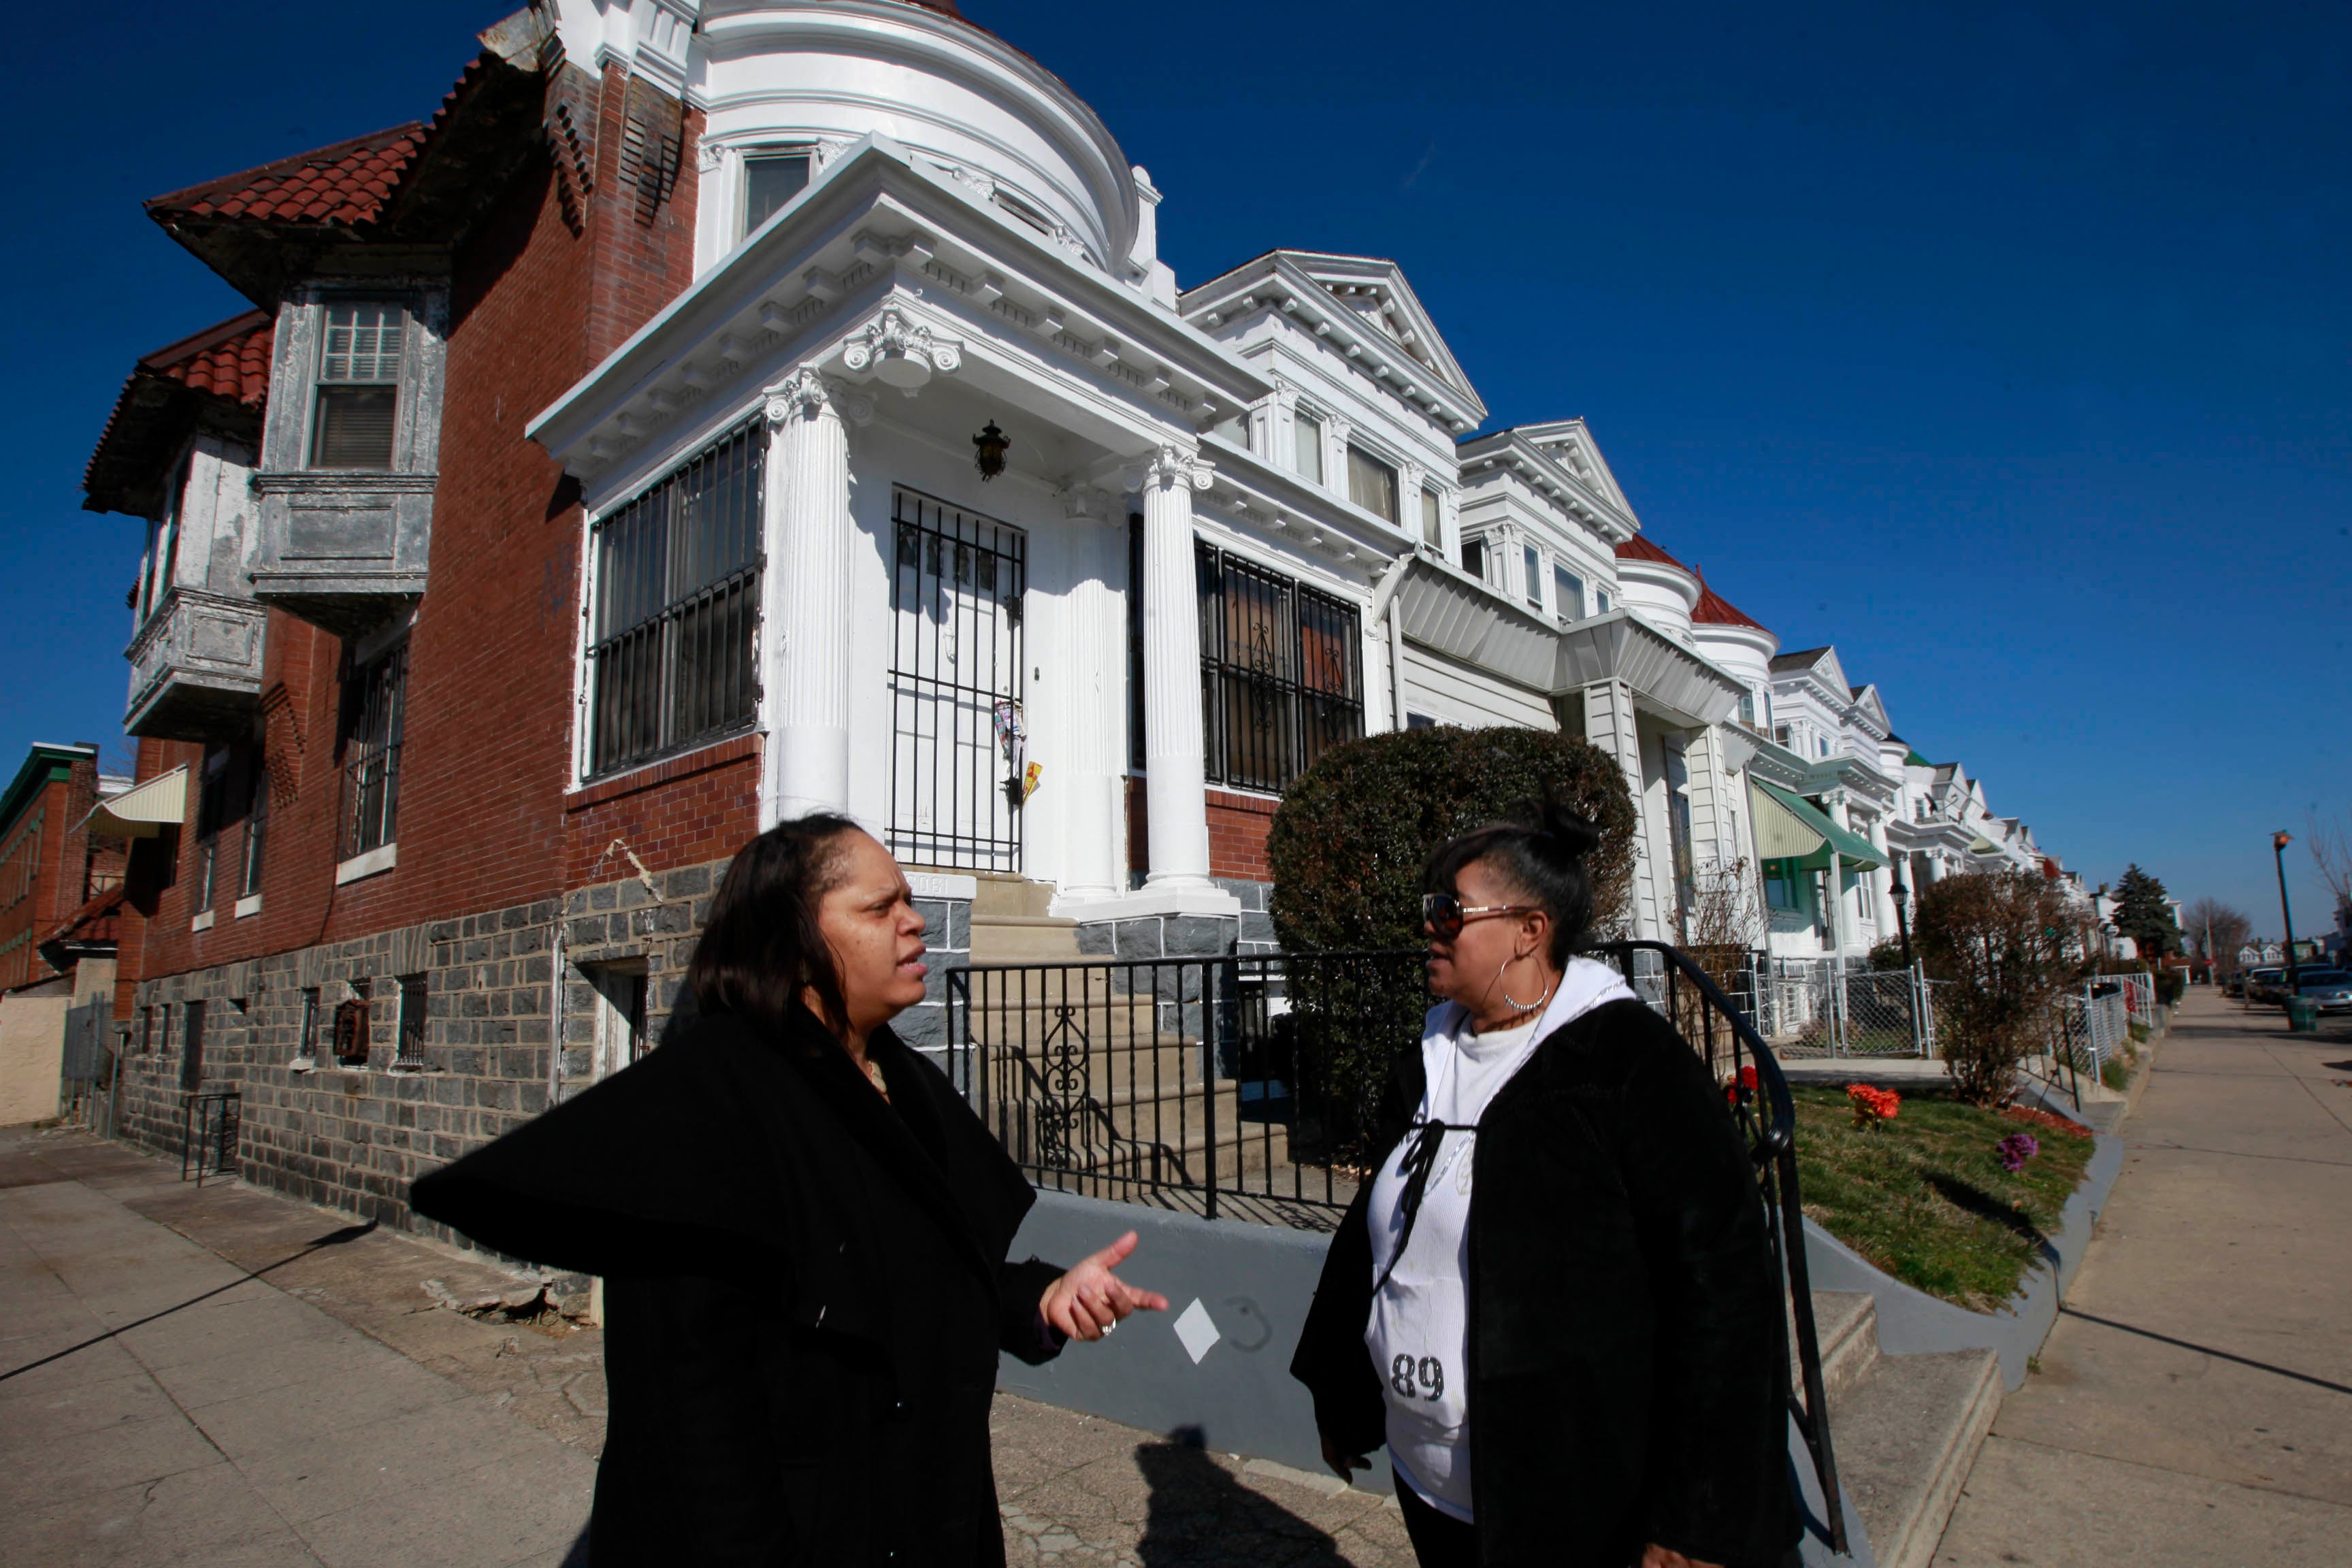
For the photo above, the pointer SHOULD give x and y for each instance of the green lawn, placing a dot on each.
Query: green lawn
(1924, 1196)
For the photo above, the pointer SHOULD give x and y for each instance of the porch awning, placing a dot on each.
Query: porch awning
(143, 810)
(1791, 827)
(1984, 846)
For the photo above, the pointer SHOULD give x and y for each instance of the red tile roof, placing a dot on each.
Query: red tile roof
(231, 360)
(1713, 610)
(1639, 548)
(347, 183)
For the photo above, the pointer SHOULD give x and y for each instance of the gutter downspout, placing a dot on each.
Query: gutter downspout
(1384, 607)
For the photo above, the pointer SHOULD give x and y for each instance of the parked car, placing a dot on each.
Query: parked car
(2331, 988)
(2262, 985)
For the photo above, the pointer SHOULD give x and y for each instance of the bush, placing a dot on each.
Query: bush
(1348, 843)
(2000, 937)
(2115, 1073)
(2169, 985)
(1347, 850)
(1887, 954)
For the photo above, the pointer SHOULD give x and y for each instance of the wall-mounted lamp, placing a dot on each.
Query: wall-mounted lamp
(992, 444)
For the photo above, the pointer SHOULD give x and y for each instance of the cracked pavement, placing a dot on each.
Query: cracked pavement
(221, 1374)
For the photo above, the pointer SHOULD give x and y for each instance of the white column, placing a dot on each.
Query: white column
(1091, 695)
(1610, 724)
(1176, 795)
(804, 602)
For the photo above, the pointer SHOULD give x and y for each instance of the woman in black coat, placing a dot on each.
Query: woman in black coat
(1555, 1303)
(801, 1229)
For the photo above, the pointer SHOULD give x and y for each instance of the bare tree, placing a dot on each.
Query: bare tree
(2331, 849)
(2215, 932)
(2000, 938)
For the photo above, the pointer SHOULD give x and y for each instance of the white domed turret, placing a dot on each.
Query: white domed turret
(784, 79)
(1660, 588)
(1738, 644)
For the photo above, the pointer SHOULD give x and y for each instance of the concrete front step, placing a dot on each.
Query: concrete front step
(1906, 1435)
(1845, 1327)
(1023, 938)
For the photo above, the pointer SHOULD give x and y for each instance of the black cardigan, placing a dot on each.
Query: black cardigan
(805, 1292)
(1627, 1361)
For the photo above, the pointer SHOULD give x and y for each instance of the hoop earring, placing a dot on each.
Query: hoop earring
(1505, 988)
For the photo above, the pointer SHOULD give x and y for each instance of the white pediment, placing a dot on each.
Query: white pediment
(1376, 290)
(1570, 443)
(1873, 708)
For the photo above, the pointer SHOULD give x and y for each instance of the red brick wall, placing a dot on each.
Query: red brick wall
(1238, 824)
(484, 820)
(700, 807)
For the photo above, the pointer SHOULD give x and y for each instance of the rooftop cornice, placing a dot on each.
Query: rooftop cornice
(870, 219)
(1276, 282)
(1508, 452)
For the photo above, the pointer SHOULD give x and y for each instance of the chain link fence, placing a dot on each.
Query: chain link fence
(1818, 1007)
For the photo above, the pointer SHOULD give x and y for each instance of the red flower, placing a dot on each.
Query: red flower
(1873, 1105)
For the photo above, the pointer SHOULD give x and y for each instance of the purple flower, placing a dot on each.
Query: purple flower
(2016, 1149)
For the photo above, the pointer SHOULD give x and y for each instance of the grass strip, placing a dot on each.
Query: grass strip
(1925, 1196)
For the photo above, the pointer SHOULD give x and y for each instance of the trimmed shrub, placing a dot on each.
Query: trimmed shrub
(1347, 849)
(1348, 843)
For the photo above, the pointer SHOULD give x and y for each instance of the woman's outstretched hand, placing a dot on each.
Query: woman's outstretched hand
(1089, 1301)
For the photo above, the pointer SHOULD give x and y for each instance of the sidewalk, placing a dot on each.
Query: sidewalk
(2193, 1406)
(223, 1376)
(160, 1403)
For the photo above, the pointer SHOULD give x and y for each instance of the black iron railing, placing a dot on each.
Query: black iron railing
(1723, 1031)
(1244, 1086)
(209, 1130)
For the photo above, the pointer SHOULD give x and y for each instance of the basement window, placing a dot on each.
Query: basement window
(408, 1048)
(357, 395)
(770, 180)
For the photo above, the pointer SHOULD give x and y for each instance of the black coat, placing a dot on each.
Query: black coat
(805, 1293)
(1627, 1361)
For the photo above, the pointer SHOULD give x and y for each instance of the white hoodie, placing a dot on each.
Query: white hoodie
(1419, 1333)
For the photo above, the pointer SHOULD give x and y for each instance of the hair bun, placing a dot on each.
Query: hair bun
(1571, 832)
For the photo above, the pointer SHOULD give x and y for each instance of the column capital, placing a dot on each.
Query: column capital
(901, 351)
(804, 392)
(1173, 466)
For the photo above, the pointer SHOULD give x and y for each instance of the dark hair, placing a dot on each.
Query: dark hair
(762, 947)
(1538, 849)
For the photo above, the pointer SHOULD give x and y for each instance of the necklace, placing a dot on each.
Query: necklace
(874, 1075)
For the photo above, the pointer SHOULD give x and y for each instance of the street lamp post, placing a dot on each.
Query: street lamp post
(2279, 841)
(1902, 896)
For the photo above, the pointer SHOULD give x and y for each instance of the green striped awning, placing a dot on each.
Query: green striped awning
(1791, 827)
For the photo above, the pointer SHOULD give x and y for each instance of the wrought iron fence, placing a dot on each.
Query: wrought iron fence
(1233, 1084)
(1243, 1087)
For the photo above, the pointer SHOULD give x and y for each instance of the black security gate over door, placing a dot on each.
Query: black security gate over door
(956, 608)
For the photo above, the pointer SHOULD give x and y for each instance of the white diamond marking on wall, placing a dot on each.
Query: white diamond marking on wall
(1195, 1330)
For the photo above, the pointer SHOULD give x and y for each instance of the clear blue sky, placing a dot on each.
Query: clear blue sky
(2004, 347)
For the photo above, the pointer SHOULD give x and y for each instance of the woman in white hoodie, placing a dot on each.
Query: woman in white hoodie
(1554, 1303)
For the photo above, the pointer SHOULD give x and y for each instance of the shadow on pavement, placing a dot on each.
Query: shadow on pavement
(2208, 1350)
(1201, 1517)
(332, 1239)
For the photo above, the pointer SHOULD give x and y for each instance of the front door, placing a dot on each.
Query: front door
(957, 756)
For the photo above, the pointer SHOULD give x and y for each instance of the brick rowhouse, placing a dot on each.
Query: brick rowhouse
(551, 206)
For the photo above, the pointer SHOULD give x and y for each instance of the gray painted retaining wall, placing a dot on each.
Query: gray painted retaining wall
(1911, 1322)
(1256, 1282)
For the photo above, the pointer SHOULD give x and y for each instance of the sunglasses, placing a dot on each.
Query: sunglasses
(1445, 915)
